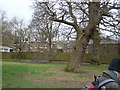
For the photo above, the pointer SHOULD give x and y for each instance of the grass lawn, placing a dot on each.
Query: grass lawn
(29, 75)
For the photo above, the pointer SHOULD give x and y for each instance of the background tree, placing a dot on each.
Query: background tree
(8, 38)
(84, 17)
(21, 32)
(45, 29)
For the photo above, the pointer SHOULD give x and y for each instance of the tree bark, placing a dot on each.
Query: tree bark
(79, 51)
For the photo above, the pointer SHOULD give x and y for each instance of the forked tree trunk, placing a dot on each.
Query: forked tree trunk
(84, 38)
(79, 51)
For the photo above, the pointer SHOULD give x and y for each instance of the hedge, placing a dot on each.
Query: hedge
(55, 56)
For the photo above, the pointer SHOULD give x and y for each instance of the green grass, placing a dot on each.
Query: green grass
(28, 75)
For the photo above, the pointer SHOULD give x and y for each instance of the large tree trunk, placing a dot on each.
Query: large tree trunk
(79, 51)
(84, 38)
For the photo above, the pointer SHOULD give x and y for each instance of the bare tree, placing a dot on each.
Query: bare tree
(46, 29)
(84, 17)
(19, 29)
(6, 32)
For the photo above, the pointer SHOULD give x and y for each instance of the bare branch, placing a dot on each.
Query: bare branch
(70, 11)
(63, 21)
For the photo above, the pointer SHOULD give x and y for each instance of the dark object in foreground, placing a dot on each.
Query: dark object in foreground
(110, 79)
(96, 84)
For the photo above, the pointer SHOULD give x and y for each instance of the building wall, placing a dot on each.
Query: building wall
(105, 49)
(68, 47)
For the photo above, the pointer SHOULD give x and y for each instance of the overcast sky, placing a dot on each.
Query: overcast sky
(17, 8)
